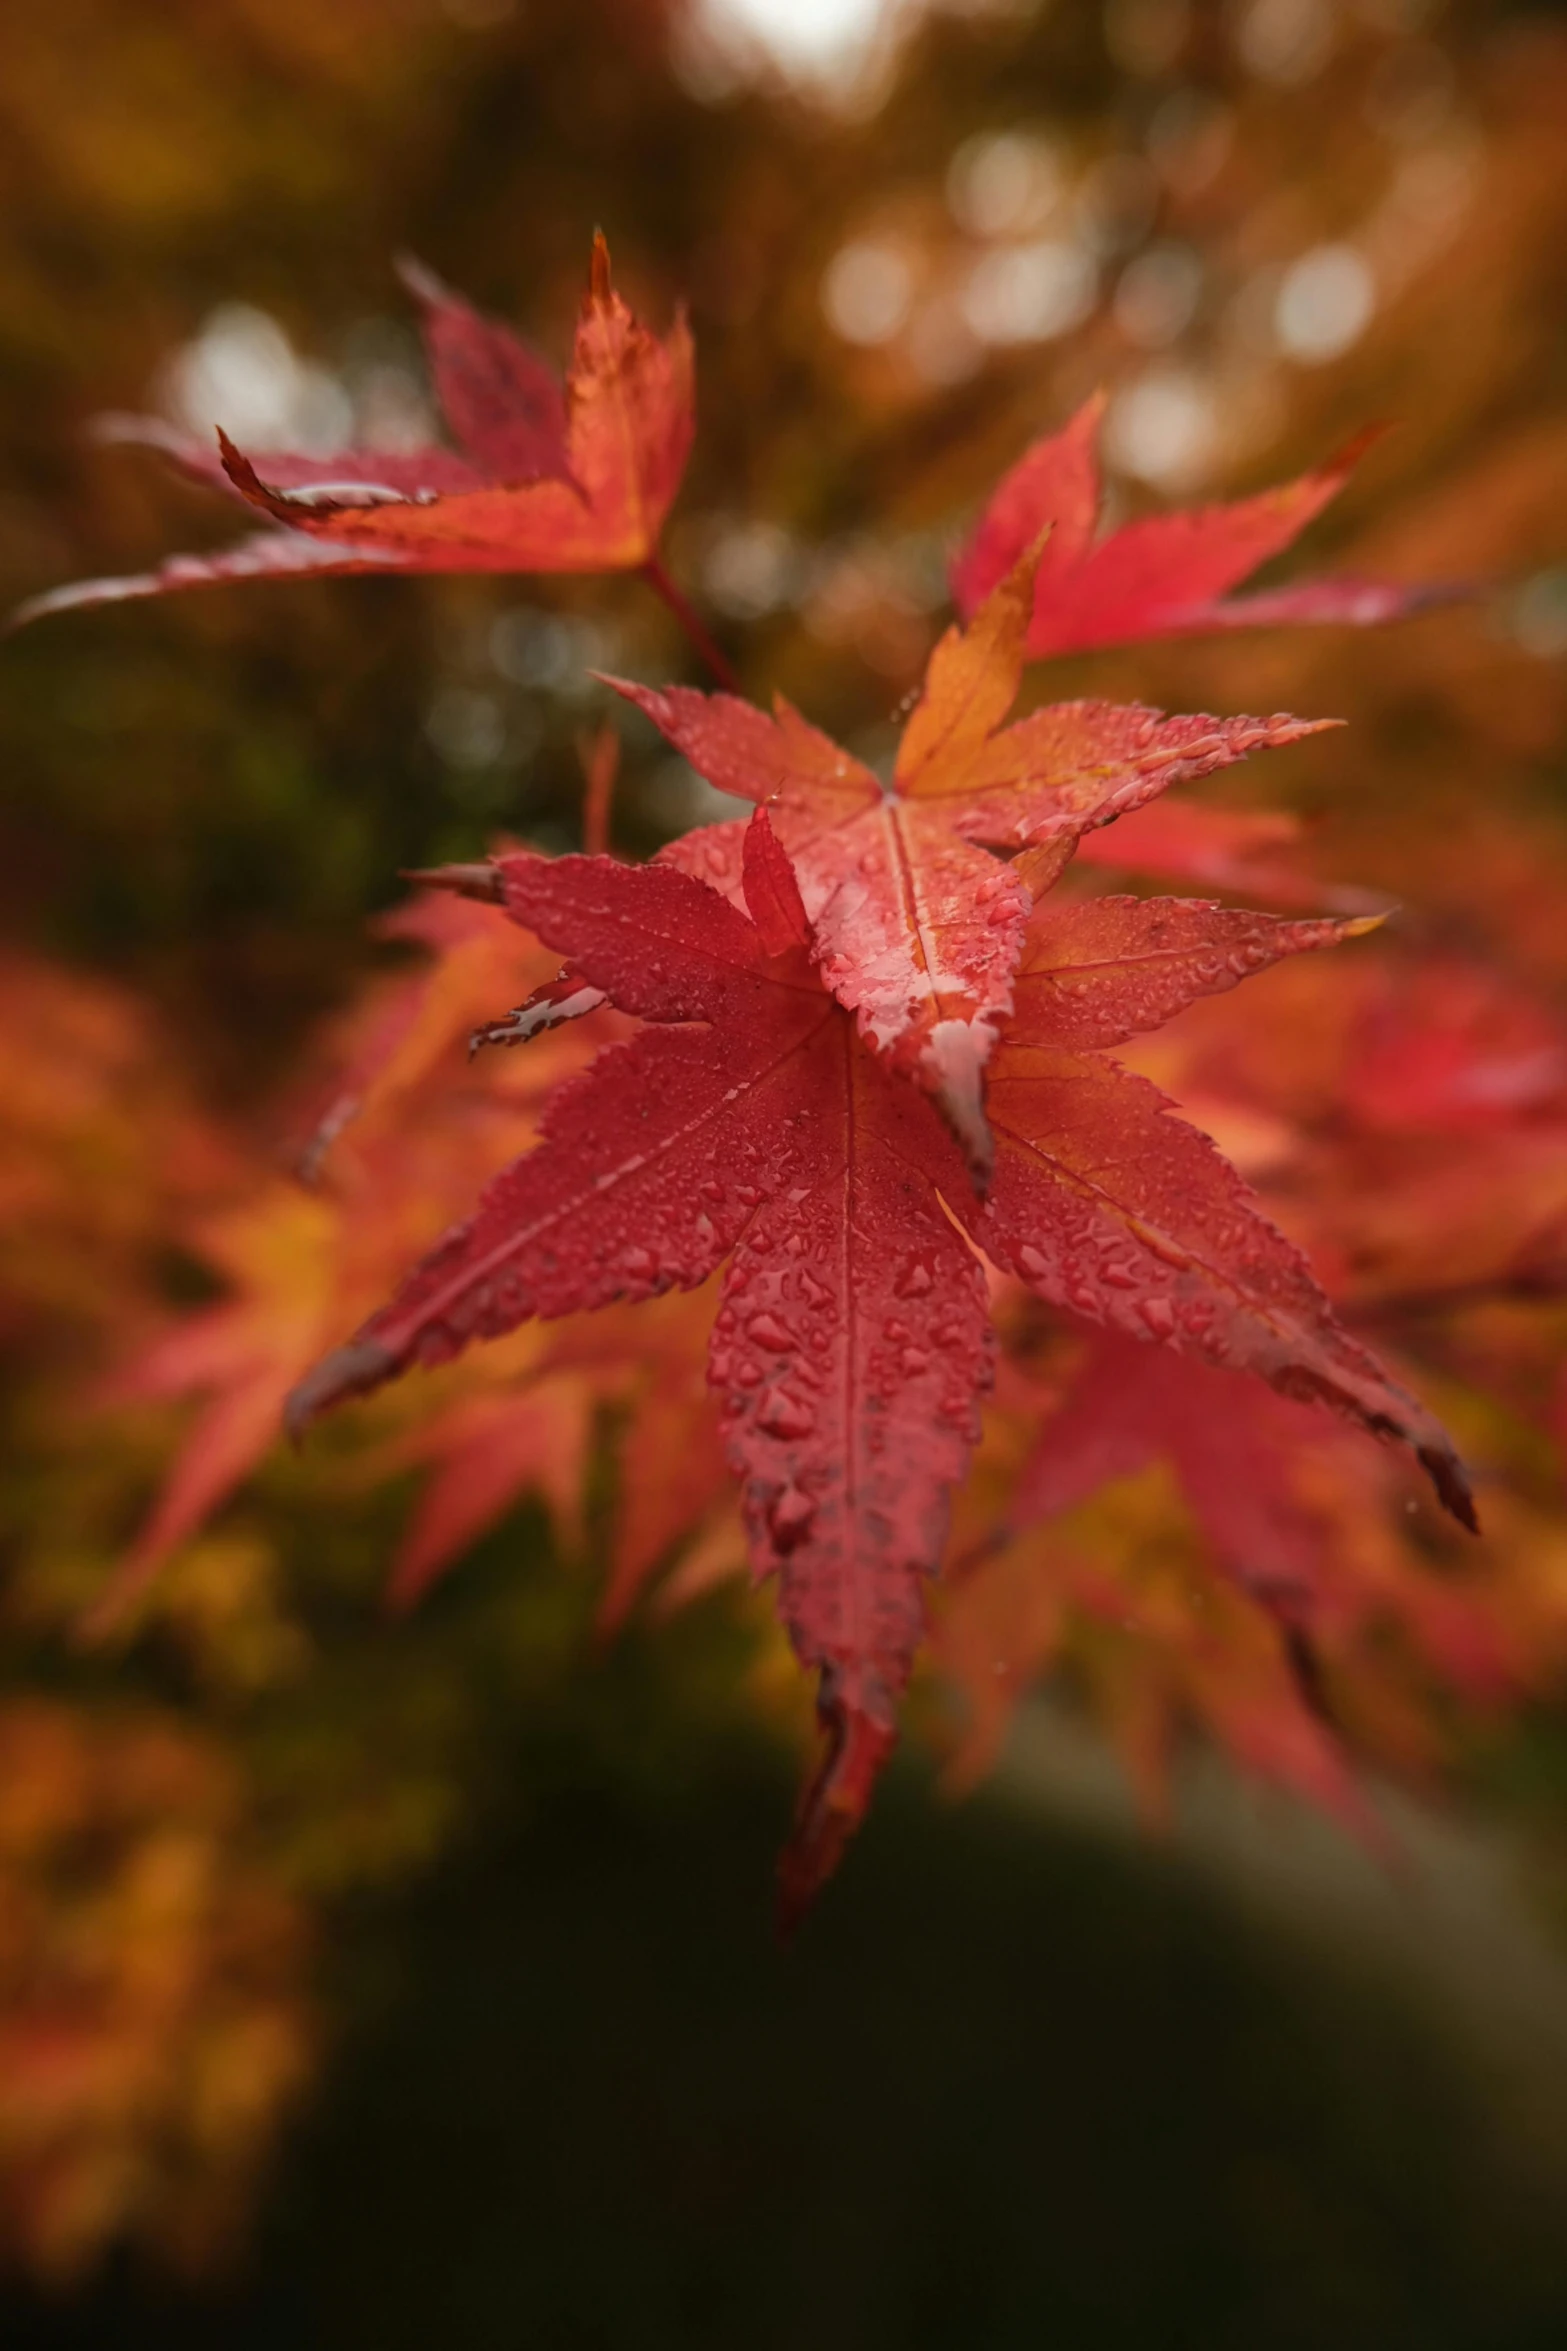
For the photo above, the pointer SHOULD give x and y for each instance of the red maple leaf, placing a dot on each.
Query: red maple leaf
(851, 1343)
(1229, 1441)
(1167, 574)
(1326, 1622)
(1237, 1451)
(1255, 850)
(918, 928)
(487, 1451)
(404, 1113)
(546, 478)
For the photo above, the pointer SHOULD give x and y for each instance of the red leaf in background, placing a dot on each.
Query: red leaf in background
(487, 1451)
(917, 927)
(1159, 1644)
(851, 1343)
(574, 481)
(1166, 575)
(1244, 849)
(1237, 1451)
(673, 1465)
(1313, 1567)
(240, 1358)
(1230, 1442)
(1465, 1050)
(402, 1112)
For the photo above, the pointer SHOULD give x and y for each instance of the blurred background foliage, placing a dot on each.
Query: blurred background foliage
(465, 1913)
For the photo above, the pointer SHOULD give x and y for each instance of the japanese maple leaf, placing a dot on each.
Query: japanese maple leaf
(489, 1448)
(1298, 1516)
(280, 1254)
(1167, 574)
(545, 478)
(1229, 1441)
(851, 1344)
(293, 1262)
(1250, 850)
(917, 926)
(486, 1451)
(1160, 1646)
(1239, 1453)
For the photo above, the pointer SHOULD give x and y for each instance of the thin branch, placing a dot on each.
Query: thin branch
(662, 585)
(600, 757)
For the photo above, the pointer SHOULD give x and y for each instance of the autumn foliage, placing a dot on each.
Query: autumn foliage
(754, 1121)
(883, 1193)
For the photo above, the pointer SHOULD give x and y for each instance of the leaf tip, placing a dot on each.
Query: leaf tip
(420, 280)
(600, 288)
(627, 688)
(1348, 455)
(1448, 1475)
(1284, 729)
(834, 1803)
(348, 1371)
(772, 894)
(954, 1060)
(482, 880)
(245, 478)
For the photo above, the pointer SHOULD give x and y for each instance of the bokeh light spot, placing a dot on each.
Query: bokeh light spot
(867, 291)
(1324, 304)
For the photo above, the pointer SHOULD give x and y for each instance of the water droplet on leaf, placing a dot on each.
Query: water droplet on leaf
(786, 1416)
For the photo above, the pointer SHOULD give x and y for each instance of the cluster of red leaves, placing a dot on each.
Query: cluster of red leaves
(873, 1062)
(396, 1144)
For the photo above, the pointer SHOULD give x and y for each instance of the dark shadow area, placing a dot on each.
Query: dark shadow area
(1012, 2087)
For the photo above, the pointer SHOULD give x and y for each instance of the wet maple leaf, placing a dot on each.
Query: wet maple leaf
(546, 478)
(918, 928)
(1419, 1116)
(851, 1344)
(1167, 574)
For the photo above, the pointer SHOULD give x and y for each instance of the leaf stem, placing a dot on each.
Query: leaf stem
(662, 585)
